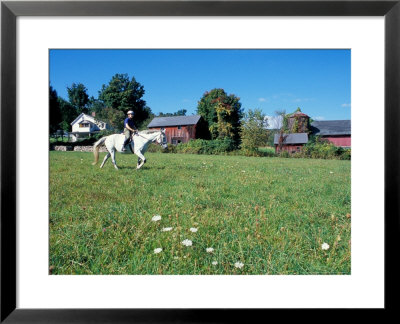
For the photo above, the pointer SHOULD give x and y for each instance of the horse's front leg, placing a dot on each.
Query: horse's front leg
(141, 159)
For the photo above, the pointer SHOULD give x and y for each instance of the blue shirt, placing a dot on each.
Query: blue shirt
(130, 123)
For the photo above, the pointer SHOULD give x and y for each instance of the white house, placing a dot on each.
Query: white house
(85, 125)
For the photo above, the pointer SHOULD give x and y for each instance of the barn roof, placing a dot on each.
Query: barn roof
(298, 113)
(174, 121)
(331, 127)
(295, 138)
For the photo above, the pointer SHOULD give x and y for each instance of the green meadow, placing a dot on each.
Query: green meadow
(260, 216)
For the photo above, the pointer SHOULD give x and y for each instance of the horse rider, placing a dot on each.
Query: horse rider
(129, 128)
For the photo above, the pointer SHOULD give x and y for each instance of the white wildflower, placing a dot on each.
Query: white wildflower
(156, 218)
(239, 265)
(176, 258)
(166, 229)
(193, 229)
(209, 250)
(330, 172)
(214, 263)
(158, 250)
(325, 246)
(187, 243)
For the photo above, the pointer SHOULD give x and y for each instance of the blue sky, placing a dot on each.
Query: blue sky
(317, 81)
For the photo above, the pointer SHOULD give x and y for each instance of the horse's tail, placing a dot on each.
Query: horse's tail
(96, 147)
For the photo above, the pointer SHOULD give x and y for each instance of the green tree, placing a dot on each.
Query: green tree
(64, 126)
(253, 131)
(68, 113)
(281, 117)
(78, 97)
(96, 105)
(113, 117)
(223, 114)
(123, 94)
(55, 112)
(180, 112)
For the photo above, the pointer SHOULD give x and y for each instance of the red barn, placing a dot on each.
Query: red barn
(337, 132)
(291, 143)
(178, 129)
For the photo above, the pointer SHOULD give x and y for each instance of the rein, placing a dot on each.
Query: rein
(141, 136)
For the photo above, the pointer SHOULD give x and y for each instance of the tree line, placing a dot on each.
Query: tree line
(223, 115)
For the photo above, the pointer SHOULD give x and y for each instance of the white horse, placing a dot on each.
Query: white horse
(138, 145)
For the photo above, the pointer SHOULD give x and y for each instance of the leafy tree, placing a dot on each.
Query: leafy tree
(202, 131)
(253, 131)
(68, 113)
(181, 112)
(141, 124)
(282, 125)
(123, 94)
(222, 112)
(146, 122)
(96, 105)
(78, 97)
(64, 126)
(55, 112)
(114, 117)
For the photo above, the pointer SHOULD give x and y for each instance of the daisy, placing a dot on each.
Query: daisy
(239, 265)
(157, 250)
(166, 229)
(187, 242)
(209, 250)
(325, 246)
(156, 218)
(193, 229)
(214, 263)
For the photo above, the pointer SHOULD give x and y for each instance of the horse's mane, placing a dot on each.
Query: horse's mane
(148, 131)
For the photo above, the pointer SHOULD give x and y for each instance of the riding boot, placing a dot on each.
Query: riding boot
(125, 143)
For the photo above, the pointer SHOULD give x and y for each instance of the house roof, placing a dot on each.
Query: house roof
(295, 138)
(174, 121)
(77, 118)
(331, 127)
(87, 118)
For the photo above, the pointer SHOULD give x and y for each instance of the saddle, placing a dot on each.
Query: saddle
(129, 141)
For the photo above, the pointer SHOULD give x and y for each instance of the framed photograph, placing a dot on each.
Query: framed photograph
(167, 240)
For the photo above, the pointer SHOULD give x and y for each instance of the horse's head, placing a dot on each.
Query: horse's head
(162, 139)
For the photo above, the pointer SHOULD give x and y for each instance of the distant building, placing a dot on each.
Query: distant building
(179, 129)
(298, 122)
(85, 125)
(338, 132)
(298, 127)
(291, 143)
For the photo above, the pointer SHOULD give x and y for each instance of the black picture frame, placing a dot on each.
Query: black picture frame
(10, 10)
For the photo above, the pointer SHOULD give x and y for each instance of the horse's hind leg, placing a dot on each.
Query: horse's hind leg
(105, 159)
(113, 159)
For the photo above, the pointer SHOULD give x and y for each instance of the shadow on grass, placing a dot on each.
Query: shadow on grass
(142, 168)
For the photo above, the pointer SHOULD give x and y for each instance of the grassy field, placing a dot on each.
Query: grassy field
(260, 215)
